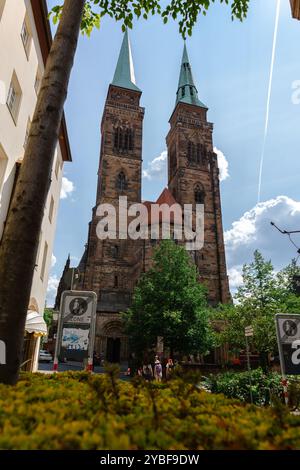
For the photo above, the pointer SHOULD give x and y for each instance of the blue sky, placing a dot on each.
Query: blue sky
(231, 66)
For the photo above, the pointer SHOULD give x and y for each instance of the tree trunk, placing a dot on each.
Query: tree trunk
(18, 248)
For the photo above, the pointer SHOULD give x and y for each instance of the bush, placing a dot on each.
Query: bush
(82, 411)
(265, 387)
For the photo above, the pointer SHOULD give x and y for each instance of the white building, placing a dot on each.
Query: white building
(25, 41)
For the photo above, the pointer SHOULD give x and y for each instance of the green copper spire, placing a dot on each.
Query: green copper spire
(124, 74)
(187, 91)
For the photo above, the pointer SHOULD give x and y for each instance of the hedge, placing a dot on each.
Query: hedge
(84, 411)
(265, 387)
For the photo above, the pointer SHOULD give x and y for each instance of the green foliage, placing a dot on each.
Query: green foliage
(169, 302)
(183, 11)
(263, 294)
(48, 316)
(73, 411)
(237, 385)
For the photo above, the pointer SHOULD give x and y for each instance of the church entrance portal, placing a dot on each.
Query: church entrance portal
(113, 350)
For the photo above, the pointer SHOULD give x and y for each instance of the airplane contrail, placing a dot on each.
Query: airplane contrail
(268, 100)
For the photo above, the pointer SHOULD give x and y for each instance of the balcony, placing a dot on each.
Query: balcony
(295, 5)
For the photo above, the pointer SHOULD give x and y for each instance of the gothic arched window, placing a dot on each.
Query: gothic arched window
(121, 181)
(199, 194)
(173, 159)
(115, 251)
(118, 139)
(201, 153)
(191, 152)
(130, 140)
(126, 140)
(123, 140)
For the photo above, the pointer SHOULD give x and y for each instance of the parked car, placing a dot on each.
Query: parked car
(45, 356)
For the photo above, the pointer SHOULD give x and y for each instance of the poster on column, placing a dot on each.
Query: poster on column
(76, 328)
(288, 337)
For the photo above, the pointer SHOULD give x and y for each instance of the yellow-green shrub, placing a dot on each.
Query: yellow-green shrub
(81, 411)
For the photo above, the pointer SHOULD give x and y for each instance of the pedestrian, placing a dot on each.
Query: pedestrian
(158, 370)
(169, 368)
(147, 372)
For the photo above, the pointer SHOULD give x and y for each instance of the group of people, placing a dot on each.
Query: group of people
(156, 371)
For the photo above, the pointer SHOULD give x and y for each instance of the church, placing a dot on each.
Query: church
(112, 268)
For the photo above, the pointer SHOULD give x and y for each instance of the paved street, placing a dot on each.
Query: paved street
(77, 366)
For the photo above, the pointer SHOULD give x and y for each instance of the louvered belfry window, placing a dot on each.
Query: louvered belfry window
(123, 140)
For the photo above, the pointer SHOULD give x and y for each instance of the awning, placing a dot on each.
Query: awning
(35, 323)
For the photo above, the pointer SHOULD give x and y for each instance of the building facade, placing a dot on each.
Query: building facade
(25, 41)
(112, 267)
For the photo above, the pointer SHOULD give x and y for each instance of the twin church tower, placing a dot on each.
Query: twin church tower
(112, 268)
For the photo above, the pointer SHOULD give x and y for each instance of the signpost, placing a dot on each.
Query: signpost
(76, 327)
(288, 338)
(248, 333)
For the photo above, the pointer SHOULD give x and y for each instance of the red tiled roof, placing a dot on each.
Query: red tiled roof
(166, 198)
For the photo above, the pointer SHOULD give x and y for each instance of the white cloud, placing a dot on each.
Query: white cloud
(157, 168)
(223, 164)
(53, 260)
(67, 188)
(52, 290)
(254, 231)
(235, 277)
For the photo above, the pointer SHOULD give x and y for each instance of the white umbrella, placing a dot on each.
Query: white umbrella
(35, 323)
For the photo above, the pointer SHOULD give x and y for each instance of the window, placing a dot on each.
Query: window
(199, 194)
(38, 81)
(121, 182)
(45, 254)
(115, 251)
(123, 140)
(14, 97)
(196, 153)
(2, 5)
(3, 165)
(116, 281)
(191, 152)
(173, 160)
(39, 250)
(51, 209)
(26, 36)
(27, 133)
(201, 153)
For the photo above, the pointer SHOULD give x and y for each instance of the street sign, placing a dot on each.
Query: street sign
(249, 331)
(288, 337)
(76, 326)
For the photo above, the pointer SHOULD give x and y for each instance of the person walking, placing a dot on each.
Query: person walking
(169, 368)
(157, 370)
(147, 372)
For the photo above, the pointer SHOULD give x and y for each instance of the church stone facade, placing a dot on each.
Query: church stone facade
(112, 268)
